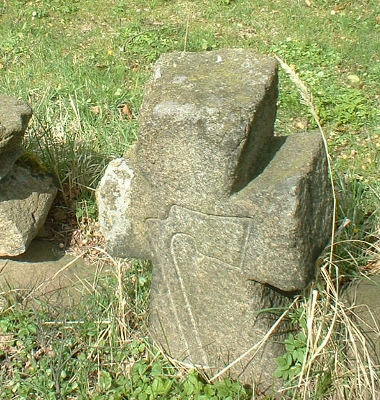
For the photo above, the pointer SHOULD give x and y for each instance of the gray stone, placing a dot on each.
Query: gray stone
(363, 298)
(232, 217)
(7, 160)
(25, 200)
(114, 202)
(14, 117)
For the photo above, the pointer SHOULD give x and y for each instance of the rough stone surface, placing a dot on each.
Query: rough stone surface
(8, 159)
(114, 202)
(25, 200)
(363, 297)
(232, 217)
(14, 117)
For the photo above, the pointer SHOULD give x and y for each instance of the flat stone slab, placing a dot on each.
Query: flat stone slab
(45, 272)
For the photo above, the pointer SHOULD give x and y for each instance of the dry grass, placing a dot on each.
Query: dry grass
(339, 363)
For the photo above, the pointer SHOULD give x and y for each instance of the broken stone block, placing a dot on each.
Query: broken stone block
(14, 117)
(25, 200)
(114, 202)
(233, 217)
(25, 197)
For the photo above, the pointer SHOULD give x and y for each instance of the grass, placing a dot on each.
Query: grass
(82, 65)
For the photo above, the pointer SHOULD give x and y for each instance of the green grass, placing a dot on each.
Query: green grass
(100, 350)
(79, 63)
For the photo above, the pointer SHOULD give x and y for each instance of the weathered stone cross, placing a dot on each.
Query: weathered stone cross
(233, 217)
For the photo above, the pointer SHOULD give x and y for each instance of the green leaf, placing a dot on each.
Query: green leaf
(160, 386)
(157, 370)
(188, 388)
(209, 391)
(105, 380)
(299, 355)
(281, 362)
(143, 396)
(92, 329)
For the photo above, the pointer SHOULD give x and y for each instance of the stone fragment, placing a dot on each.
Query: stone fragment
(233, 218)
(363, 298)
(25, 200)
(14, 117)
(114, 202)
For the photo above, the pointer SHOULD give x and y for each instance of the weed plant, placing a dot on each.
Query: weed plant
(83, 65)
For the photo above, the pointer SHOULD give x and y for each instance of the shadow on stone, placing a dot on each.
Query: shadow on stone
(268, 153)
(39, 251)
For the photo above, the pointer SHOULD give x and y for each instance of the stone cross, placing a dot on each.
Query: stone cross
(233, 217)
